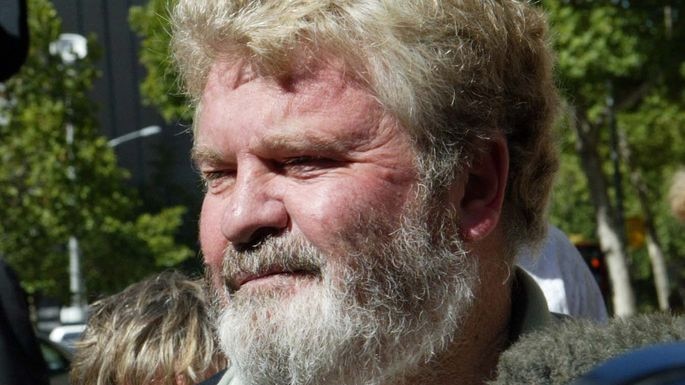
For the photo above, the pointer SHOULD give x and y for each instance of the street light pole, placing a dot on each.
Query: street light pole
(143, 132)
(76, 283)
(76, 312)
(72, 47)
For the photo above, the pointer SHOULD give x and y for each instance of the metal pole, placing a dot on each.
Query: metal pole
(76, 283)
(70, 48)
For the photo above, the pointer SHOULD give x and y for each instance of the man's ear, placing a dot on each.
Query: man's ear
(480, 191)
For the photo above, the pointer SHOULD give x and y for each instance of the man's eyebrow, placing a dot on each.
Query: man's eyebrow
(202, 155)
(297, 142)
(282, 142)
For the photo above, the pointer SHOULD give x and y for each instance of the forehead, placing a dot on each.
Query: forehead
(321, 100)
(309, 86)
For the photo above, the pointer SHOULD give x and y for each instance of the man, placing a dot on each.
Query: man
(371, 169)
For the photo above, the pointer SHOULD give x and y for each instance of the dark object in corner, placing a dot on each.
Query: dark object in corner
(662, 364)
(21, 362)
(14, 37)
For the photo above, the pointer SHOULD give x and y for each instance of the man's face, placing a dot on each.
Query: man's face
(315, 233)
(307, 162)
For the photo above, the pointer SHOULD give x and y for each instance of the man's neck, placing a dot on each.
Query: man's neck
(471, 359)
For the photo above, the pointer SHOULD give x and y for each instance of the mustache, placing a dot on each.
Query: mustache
(283, 254)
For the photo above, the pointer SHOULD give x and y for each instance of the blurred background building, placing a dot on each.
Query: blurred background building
(159, 165)
(161, 158)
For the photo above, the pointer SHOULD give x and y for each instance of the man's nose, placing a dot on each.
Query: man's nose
(253, 212)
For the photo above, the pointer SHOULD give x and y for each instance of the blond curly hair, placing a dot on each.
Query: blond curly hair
(454, 73)
(157, 331)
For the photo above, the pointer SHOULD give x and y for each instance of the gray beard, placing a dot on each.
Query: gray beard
(372, 316)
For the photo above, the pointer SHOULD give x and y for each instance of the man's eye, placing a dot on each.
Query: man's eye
(304, 164)
(299, 160)
(218, 179)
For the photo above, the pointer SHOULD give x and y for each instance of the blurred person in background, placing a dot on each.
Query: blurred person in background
(676, 198)
(676, 195)
(564, 277)
(21, 362)
(157, 331)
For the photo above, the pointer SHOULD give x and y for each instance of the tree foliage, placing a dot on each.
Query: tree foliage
(160, 88)
(629, 52)
(50, 190)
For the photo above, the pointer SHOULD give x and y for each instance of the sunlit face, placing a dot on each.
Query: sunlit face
(305, 162)
(315, 234)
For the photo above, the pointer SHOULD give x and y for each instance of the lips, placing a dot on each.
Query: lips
(245, 278)
(238, 280)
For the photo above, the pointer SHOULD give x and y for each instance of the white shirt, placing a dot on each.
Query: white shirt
(564, 277)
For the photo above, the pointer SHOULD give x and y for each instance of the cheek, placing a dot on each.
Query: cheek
(338, 210)
(212, 241)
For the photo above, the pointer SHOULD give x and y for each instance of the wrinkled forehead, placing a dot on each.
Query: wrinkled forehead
(312, 85)
(332, 73)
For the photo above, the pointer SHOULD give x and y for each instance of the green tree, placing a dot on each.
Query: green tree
(50, 190)
(161, 87)
(615, 58)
